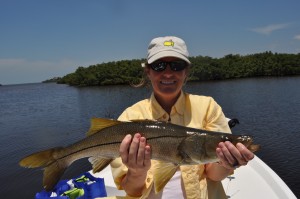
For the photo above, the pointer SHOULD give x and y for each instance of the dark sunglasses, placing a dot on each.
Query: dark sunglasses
(177, 65)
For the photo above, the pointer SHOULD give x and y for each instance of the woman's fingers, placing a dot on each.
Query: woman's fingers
(134, 152)
(237, 157)
(246, 153)
(124, 148)
(222, 153)
(147, 159)
(232, 156)
(141, 152)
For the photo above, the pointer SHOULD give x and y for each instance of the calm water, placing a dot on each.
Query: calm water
(38, 116)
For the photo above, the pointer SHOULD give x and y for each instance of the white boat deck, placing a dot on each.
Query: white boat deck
(256, 180)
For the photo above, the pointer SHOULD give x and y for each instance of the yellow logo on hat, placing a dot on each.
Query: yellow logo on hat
(169, 43)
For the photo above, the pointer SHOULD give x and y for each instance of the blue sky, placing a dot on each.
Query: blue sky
(44, 39)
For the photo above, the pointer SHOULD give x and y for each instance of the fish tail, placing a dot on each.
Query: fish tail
(53, 167)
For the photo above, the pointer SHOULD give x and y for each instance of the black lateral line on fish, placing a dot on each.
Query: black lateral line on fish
(151, 138)
(110, 143)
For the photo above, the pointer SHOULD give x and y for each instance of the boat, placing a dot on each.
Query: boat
(255, 180)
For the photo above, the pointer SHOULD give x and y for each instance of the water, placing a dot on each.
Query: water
(38, 116)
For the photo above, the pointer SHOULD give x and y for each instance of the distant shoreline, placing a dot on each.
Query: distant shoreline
(53, 82)
(54, 79)
(203, 68)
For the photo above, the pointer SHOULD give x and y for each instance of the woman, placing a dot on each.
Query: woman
(167, 68)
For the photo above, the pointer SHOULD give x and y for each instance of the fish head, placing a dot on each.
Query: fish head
(244, 139)
(247, 141)
(201, 148)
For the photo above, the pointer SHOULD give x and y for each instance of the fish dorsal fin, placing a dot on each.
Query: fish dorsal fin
(163, 172)
(99, 163)
(100, 123)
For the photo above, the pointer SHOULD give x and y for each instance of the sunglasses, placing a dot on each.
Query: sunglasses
(177, 65)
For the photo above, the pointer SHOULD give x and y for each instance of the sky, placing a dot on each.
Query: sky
(42, 39)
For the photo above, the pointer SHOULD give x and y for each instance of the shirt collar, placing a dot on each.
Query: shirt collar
(158, 111)
(180, 104)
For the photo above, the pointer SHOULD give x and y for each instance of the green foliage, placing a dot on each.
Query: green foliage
(203, 68)
(111, 73)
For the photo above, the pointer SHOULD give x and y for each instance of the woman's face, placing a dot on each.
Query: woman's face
(167, 84)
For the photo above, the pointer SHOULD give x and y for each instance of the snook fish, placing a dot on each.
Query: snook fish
(172, 144)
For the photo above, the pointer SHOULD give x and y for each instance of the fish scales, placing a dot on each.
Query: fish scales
(106, 142)
(169, 143)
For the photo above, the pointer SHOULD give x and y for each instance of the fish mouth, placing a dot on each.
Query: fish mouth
(245, 139)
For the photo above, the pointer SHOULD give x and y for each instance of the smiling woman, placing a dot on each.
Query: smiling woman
(167, 69)
(167, 83)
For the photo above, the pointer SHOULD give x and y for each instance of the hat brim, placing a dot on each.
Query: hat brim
(162, 54)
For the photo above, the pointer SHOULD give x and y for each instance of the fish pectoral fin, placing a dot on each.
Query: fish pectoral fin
(100, 123)
(99, 163)
(163, 172)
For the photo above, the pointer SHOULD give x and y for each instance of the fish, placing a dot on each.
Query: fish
(171, 144)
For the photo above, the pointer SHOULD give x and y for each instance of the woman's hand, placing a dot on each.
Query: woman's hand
(231, 156)
(135, 154)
